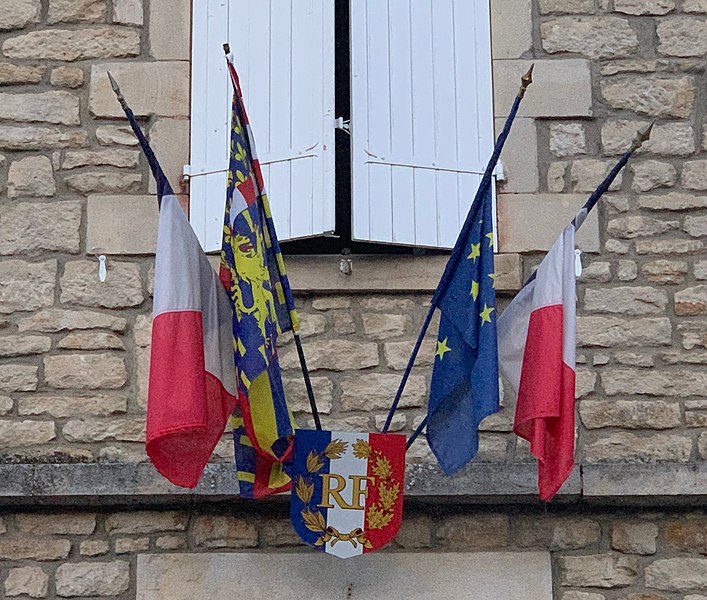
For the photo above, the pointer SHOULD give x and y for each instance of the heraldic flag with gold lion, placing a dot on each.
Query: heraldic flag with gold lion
(253, 273)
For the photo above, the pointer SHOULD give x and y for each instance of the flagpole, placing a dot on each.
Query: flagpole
(526, 80)
(288, 297)
(163, 186)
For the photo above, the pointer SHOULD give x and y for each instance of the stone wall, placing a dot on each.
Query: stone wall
(599, 555)
(74, 352)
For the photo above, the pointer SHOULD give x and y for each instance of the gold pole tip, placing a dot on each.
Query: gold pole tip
(525, 81)
(642, 136)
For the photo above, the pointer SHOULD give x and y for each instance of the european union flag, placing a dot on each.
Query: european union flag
(464, 387)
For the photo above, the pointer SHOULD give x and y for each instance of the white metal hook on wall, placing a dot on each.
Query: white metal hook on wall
(102, 268)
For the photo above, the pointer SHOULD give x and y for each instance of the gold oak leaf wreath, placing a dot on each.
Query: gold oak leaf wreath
(379, 514)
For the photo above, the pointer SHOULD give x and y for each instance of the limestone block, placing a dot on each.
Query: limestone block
(170, 29)
(91, 341)
(224, 532)
(122, 287)
(652, 96)
(297, 398)
(384, 326)
(674, 383)
(397, 354)
(75, 11)
(23, 227)
(696, 226)
(557, 176)
(31, 176)
(111, 224)
(170, 141)
(18, 378)
(56, 319)
(595, 37)
(520, 157)
(587, 173)
(474, 532)
(143, 522)
(637, 226)
(26, 286)
(682, 36)
(15, 434)
(569, 79)
(556, 533)
(626, 300)
(700, 269)
(17, 14)
(689, 535)
(627, 270)
(11, 74)
(71, 77)
(668, 246)
(702, 445)
(582, 596)
(160, 88)
(64, 524)
(672, 201)
(93, 547)
(549, 215)
(171, 542)
(121, 429)
(664, 271)
(334, 355)
(60, 406)
(107, 135)
(142, 330)
(331, 302)
(74, 44)
(117, 157)
(566, 6)
(600, 570)
(33, 549)
(511, 28)
(691, 301)
(634, 537)
(567, 139)
(644, 7)
(104, 182)
(677, 574)
(279, 533)
(132, 546)
(40, 138)
(85, 371)
(128, 12)
(596, 272)
(397, 423)
(651, 174)
(633, 448)
(694, 175)
(24, 345)
(27, 581)
(670, 139)
(607, 332)
(375, 391)
(694, 6)
(6, 405)
(630, 414)
(93, 579)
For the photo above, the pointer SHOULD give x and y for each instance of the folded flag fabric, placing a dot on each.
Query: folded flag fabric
(253, 274)
(192, 388)
(464, 387)
(536, 348)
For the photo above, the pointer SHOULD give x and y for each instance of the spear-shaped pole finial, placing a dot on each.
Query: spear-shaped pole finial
(118, 93)
(526, 80)
(641, 137)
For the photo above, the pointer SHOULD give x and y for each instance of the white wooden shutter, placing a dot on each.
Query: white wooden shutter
(283, 51)
(422, 117)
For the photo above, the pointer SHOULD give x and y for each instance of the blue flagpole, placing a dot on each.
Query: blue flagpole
(163, 187)
(526, 80)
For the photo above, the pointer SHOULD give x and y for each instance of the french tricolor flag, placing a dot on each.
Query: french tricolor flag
(536, 352)
(192, 389)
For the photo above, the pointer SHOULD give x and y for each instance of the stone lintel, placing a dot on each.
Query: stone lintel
(114, 484)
